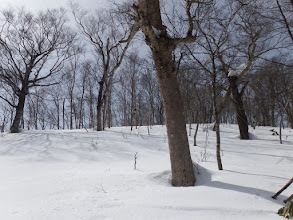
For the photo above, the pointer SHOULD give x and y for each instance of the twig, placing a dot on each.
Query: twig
(135, 157)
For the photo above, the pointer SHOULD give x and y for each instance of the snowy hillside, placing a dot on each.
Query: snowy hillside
(80, 175)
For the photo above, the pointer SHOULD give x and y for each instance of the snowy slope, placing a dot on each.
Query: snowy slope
(74, 175)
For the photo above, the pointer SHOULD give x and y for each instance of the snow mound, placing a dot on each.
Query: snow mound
(237, 71)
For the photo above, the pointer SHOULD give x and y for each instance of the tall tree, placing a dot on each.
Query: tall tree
(148, 16)
(233, 37)
(110, 38)
(33, 48)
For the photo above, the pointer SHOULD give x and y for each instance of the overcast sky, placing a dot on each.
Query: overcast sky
(36, 5)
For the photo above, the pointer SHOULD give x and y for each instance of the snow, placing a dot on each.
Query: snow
(237, 71)
(157, 32)
(80, 175)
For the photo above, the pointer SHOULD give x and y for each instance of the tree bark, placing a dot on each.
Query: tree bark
(19, 113)
(63, 113)
(57, 104)
(217, 123)
(71, 110)
(218, 146)
(91, 101)
(288, 199)
(283, 188)
(149, 17)
(80, 125)
(100, 106)
(105, 103)
(240, 111)
(36, 111)
(195, 134)
(181, 163)
(133, 112)
(109, 108)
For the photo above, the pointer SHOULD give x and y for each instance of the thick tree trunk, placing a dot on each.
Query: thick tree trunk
(19, 114)
(181, 163)
(240, 111)
(99, 117)
(162, 48)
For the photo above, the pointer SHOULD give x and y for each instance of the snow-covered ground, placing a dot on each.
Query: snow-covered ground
(88, 175)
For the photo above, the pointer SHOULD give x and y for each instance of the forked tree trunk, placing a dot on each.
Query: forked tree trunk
(240, 111)
(18, 114)
(149, 17)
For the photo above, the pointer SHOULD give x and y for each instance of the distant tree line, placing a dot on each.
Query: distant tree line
(53, 77)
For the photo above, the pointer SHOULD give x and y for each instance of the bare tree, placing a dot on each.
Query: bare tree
(4, 116)
(162, 45)
(257, 38)
(56, 94)
(152, 111)
(33, 108)
(272, 88)
(234, 36)
(285, 8)
(33, 49)
(70, 75)
(110, 38)
(129, 78)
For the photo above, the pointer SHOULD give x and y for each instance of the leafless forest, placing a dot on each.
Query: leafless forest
(71, 68)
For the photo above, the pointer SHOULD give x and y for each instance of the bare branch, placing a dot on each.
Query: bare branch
(285, 19)
(11, 104)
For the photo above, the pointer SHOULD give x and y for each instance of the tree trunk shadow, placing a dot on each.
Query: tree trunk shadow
(205, 179)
